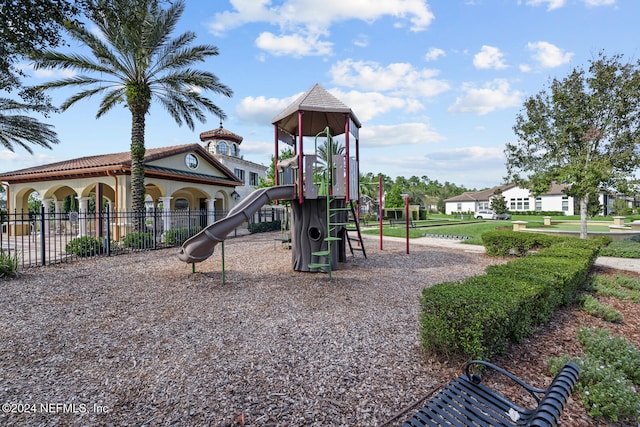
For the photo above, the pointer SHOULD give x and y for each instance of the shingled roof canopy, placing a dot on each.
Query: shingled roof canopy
(321, 109)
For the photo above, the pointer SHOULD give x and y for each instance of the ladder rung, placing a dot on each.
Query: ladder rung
(318, 265)
(320, 253)
(332, 239)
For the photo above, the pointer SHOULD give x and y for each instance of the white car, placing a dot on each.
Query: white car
(485, 214)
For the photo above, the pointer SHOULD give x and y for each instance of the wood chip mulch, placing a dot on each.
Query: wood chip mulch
(139, 340)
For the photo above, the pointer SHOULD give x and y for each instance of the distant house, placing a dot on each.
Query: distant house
(518, 199)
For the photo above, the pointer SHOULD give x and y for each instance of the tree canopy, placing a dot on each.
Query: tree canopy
(135, 61)
(583, 131)
(27, 28)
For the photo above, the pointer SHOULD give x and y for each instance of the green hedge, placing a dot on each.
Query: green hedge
(263, 227)
(504, 242)
(85, 246)
(507, 242)
(477, 318)
(177, 236)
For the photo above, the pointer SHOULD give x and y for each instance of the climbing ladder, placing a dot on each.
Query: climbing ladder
(333, 223)
(359, 245)
(337, 214)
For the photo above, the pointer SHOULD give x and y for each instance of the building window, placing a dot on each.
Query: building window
(253, 178)
(483, 205)
(525, 204)
(565, 203)
(459, 207)
(512, 204)
(234, 150)
(191, 161)
(239, 173)
(222, 147)
(538, 204)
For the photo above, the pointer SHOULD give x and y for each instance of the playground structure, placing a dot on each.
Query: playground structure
(322, 186)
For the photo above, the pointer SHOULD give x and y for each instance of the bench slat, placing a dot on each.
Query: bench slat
(466, 402)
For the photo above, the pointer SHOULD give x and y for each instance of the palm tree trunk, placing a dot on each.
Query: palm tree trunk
(137, 169)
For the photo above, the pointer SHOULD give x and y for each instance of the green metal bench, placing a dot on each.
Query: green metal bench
(467, 402)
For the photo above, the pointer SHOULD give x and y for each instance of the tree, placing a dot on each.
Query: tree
(582, 131)
(135, 62)
(284, 154)
(27, 27)
(498, 202)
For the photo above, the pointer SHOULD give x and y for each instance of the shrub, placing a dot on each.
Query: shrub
(8, 264)
(610, 376)
(622, 249)
(507, 242)
(85, 246)
(476, 318)
(621, 287)
(177, 236)
(600, 310)
(264, 227)
(138, 240)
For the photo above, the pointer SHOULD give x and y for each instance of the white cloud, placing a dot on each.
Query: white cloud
(468, 155)
(548, 55)
(433, 54)
(361, 41)
(366, 105)
(398, 135)
(320, 14)
(492, 96)
(551, 4)
(595, 3)
(43, 73)
(303, 22)
(489, 57)
(294, 45)
(260, 110)
(398, 78)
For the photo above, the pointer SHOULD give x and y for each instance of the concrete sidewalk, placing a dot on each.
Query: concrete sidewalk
(627, 264)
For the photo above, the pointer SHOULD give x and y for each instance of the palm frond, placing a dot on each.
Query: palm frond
(110, 100)
(21, 130)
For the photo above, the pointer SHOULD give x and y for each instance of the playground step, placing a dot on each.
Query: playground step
(321, 253)
(318, 265)
(338, 224)
(332, 239)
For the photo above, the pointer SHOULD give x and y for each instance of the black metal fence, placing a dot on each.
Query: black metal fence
(42, 238)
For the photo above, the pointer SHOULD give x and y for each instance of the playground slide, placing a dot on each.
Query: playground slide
(200, 247)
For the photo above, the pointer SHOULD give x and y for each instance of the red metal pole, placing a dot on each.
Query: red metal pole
(406, 217)
(346, 146)
(380, 206)
(300, 160)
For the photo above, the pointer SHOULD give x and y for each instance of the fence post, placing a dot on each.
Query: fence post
(154, 228)
(108, 227)
(43, 252)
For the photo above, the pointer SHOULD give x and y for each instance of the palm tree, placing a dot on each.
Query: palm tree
(134, 62)
(18, 129)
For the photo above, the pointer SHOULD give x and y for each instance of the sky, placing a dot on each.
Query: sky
(436, 84)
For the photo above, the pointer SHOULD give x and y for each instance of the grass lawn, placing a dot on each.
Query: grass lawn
(473, 231)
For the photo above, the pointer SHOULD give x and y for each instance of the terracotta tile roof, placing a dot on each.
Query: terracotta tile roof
(100, 164)
(220, 133)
